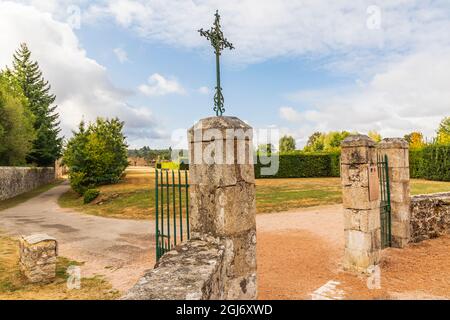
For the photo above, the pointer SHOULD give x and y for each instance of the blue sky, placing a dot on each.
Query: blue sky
(299, 66)
(253, 92)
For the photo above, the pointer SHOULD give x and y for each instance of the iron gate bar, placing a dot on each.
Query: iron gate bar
(187, 203)
(156, 214)
(168, 236)
(385, 202)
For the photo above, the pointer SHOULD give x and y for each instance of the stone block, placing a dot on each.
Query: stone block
(222, 211)
(221, 152)
(400, 192)
(242, 288)
(358, 155)
(358, 241)
(397, 158)
(362, 220)
(400, 211)
(38, 254)
(243, 249)
(221, 175)
(398, 242)
(355, 175)
(400, 229)
(357, 198)
(399, 174)
(360, 261)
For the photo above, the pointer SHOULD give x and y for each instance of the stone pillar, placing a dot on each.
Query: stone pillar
(397, 150)
(360, 195)
(38, 254)
(222, 197)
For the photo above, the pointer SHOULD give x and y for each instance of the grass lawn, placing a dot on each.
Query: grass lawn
(15, 287)
(134, 197)
(9, 203)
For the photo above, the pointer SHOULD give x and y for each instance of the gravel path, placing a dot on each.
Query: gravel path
(119, 249)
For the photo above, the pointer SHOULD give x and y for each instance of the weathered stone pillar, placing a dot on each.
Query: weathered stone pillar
(222, 197)
(360, 195)
(397, 150)
(38, 254)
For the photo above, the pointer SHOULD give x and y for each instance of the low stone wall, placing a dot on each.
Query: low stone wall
(195, 270)
(430, 216)
(17, 180)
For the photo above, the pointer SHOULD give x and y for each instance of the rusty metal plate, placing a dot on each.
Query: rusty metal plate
(374, 183)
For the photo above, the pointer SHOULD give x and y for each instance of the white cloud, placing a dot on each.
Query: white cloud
(121, 55)
(158, 85)
(81, 84)
(410, 95)
(334, 30)
(203, 90)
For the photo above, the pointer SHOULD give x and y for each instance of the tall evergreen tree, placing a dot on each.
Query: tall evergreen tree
(47, 145)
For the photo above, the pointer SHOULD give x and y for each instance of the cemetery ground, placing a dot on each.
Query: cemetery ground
(134, 196)
(298, 250)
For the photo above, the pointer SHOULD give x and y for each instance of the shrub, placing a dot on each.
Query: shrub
(304, 165)
(90, 195)
(77, 182)
(173, 165)
(416, 163)
(432, 162)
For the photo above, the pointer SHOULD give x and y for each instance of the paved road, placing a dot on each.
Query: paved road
(119, 249)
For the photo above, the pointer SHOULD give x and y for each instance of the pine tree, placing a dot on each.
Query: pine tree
(47, 146)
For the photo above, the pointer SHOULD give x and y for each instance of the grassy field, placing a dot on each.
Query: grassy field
(15, 287)
(9, 203)
(134, 196)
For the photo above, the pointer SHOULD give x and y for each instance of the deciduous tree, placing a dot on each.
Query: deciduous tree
(287, 144)
(96, 155)
(16, 123)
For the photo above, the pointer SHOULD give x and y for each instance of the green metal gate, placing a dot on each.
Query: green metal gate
(172, 209)
(385, 203)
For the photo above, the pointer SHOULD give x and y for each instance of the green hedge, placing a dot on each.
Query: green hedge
(431, 162)
(172, 165)
(303, 165)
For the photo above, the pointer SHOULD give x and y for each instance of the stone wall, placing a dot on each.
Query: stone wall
(192, 271)
(17, 180)
(430, 216)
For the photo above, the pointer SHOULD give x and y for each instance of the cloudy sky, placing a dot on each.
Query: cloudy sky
(299, 65)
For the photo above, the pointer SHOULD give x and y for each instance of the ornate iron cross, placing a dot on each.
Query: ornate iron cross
(219, 43)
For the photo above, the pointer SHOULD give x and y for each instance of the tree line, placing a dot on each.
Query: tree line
(331, 141)
(29, 123)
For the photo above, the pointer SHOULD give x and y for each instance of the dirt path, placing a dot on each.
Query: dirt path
(299, 252)
(119, 249)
